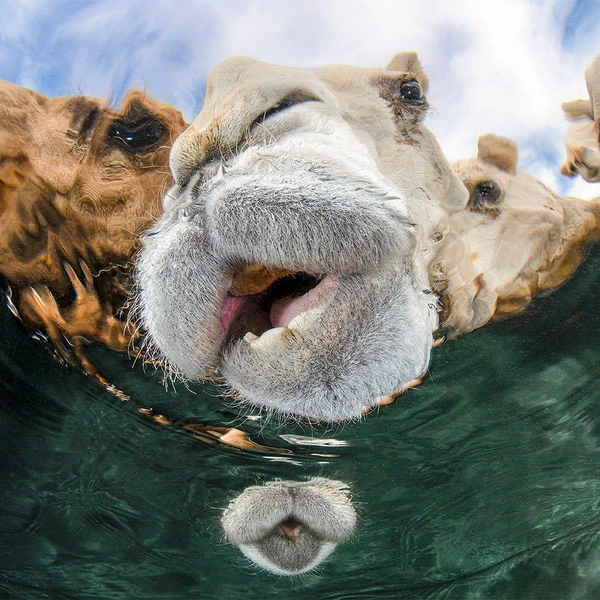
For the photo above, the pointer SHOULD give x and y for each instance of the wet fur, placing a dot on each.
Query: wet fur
(74, 200)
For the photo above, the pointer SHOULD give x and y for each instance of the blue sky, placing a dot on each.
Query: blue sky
(501, 66)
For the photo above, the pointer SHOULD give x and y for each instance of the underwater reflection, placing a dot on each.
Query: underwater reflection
(290, 527)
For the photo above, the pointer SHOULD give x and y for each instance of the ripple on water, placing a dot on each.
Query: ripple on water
(482, 483)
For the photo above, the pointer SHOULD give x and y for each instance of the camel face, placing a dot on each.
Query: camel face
(79, 182)
(291, 258)
(581, 142)
(515, 238)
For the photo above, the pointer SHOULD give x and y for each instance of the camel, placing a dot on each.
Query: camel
(312, 233)
(79, 183)
(582, 139)
(307, 211)
(515, 238)
(325, 190)
(290, 527)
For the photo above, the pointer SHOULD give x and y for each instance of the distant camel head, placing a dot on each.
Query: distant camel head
(79, 182)
(514, 239)
(292, 256)
(582, 139)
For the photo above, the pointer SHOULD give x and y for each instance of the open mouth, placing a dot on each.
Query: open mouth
(265, 303)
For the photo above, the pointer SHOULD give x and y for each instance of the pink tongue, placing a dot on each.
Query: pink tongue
(284, 310)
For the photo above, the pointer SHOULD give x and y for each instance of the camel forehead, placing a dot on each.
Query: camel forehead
(472, 171)
(253, 83)
(267, 82)
(23, 111)
(243, 71)
(17, 102)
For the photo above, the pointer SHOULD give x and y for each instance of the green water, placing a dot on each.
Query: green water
(482, 483)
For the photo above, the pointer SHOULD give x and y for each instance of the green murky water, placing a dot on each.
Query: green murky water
(482, 483)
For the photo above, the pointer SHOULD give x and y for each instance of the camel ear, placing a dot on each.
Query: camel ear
(578, 109)
(499, 152)
(408, 62)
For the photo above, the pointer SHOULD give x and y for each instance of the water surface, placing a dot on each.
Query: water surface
(481, 483)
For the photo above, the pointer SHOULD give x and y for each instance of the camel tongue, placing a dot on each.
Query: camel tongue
(290, 529)
(255, 279)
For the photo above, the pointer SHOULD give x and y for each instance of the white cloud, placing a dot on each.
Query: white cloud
(495, 66)
(498, 66)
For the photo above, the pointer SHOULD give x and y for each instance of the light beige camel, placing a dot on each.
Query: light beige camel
(327, 186)
(514, 239)
(582, 139)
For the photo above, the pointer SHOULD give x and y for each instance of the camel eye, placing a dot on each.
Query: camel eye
(137, 135)
(485, 198)
(489, 191)
(412, 92)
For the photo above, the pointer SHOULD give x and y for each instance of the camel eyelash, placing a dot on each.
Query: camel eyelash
(292, 99)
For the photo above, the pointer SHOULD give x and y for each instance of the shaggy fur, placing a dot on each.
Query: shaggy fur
(329, 174)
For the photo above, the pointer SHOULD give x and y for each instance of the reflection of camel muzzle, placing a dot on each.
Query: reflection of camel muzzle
(289, 527)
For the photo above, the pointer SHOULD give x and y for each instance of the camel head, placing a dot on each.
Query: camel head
(79, 182)
(582, 139)
(291, 259)
(514, 239)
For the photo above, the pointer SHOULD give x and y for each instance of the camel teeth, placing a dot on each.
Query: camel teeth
(250, 337)
(305, 318)
(299, 320)
(271, 337)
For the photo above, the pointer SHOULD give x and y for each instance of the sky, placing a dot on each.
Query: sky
(499, 66)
